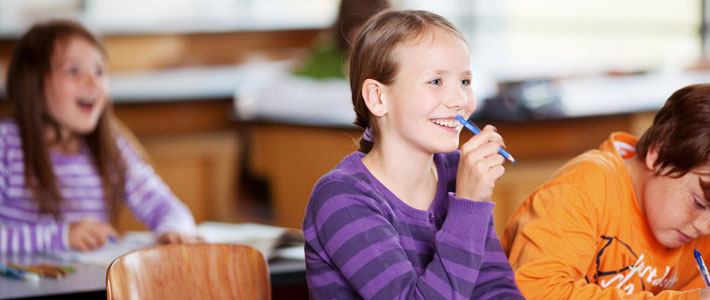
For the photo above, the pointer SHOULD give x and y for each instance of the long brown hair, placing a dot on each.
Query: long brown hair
(27, 73)
(372, 54)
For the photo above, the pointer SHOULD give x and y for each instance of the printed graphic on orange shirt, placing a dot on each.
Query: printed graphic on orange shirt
(617, 265)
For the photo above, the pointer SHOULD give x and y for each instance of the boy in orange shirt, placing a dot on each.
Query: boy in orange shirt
(621, 222)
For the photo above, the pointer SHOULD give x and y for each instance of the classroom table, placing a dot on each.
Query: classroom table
(89, 281)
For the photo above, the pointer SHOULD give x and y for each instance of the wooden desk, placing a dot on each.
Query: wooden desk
(90, 280)
(293, 157)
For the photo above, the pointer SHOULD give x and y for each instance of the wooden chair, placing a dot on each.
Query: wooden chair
(190, 271)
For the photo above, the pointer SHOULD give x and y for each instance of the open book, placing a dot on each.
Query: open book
(267, 239)
(264, 238)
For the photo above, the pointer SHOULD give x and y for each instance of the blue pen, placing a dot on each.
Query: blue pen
(701, 267)
(475, 130)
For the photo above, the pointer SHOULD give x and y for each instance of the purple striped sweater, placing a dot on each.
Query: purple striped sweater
(24, 230)
(364, 242)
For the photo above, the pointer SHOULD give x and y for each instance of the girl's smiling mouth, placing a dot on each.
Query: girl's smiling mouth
(449, 123)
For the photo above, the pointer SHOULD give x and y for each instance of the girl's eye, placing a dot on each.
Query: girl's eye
(466, 82)
(99, 72)
(73, 70)
(435, 82)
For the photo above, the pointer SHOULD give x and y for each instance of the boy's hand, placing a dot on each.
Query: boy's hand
(177, 238)
(480, 165)
(89, 234)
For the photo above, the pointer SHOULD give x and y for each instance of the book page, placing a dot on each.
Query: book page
(130, 241)
(264, 238)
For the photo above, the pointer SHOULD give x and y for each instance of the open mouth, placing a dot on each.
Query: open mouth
(448, 123)
(86, 104)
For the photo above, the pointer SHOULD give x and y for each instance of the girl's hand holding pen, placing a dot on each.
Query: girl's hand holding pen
(480, 165)
(89, 234)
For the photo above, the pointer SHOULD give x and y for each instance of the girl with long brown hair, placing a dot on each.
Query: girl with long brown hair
(64, 167)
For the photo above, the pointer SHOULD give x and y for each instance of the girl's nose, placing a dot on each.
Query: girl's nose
(456, 99)
(91, 80)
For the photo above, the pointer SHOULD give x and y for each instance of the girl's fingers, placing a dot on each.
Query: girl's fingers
(168, 238)
(496, 172)
(100, 233)
(490, 127)
(492, 161)
(481, 139)
(81, 246)
(90, 240)
(489, 149)
(109, 231)
(173, 238)
(491, 167)
(100, 237)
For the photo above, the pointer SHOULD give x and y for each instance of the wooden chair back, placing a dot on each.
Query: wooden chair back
(190, 271)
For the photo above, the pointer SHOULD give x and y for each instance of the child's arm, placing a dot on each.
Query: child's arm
(150, 199)
(26, 237)
(554, 247)
(496, 279)
(19, 230)
(365, 246)
(18, 234)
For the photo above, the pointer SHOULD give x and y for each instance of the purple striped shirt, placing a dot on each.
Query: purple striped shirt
(364, 242)
(24, 230)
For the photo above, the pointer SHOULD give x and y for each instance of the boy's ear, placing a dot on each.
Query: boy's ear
(651, 157)
(372, 93)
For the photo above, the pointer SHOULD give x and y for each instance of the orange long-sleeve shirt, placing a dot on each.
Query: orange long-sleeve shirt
(583, 235)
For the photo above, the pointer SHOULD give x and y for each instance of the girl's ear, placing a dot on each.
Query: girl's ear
(372, 93)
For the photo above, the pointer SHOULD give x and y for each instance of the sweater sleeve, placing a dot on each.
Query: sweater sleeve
(150, 199)
(496, 279)
(27, 237)
(363, 244)
(18, 232)
(552, 247)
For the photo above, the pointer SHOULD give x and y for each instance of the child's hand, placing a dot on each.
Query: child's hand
(480, 165)
(89, 234)
(177, 238)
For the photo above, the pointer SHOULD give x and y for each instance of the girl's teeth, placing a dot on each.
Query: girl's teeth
(86, 101)
(447, 123)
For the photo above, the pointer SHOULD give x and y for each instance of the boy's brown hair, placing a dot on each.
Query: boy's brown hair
(372, 54)
(680, 132)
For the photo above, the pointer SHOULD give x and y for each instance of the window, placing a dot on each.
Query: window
(139, 16)
(509, 39)
(521, 39)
